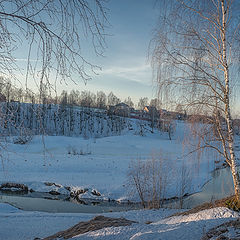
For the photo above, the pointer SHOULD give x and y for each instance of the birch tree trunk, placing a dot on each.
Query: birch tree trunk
(227, 104)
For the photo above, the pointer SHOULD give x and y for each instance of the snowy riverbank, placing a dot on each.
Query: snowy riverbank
(28, 225)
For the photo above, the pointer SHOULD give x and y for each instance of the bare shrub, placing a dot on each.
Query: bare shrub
(25, 136)
(168, 125)
(73, 150)
(184, 183)
(149, 181)
(141, 130)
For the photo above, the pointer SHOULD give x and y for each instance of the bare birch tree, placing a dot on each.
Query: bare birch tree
(51, 34)
(195, 58)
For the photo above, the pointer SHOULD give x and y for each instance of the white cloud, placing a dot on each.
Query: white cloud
(140, 73)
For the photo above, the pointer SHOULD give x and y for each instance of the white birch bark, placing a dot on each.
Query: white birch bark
(227, 105)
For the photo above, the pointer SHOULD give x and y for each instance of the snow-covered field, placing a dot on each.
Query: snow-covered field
(100, 163)
(103, 164)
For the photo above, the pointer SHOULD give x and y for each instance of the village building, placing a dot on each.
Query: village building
(120, 109)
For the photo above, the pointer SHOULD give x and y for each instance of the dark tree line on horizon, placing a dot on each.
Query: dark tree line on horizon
(10, 93)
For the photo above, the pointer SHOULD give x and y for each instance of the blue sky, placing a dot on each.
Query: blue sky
(125, 68)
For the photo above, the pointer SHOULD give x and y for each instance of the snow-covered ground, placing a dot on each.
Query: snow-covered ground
(17, 224)
(101, 163)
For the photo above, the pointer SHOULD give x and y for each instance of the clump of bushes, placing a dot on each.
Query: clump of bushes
(149, 180)
(25, 136)
(72, 150)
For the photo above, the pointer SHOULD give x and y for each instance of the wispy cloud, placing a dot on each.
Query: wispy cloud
(140, 73)
(120, 70)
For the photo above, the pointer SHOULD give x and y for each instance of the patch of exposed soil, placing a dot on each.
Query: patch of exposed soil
(218, 203)
(94, 224)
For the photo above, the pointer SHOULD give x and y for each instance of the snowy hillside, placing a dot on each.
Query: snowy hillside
(61, 120)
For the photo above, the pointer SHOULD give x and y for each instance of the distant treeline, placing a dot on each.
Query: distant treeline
(10, 93)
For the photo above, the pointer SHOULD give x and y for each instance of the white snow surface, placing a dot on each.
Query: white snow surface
(17, 224)
(102, 163)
